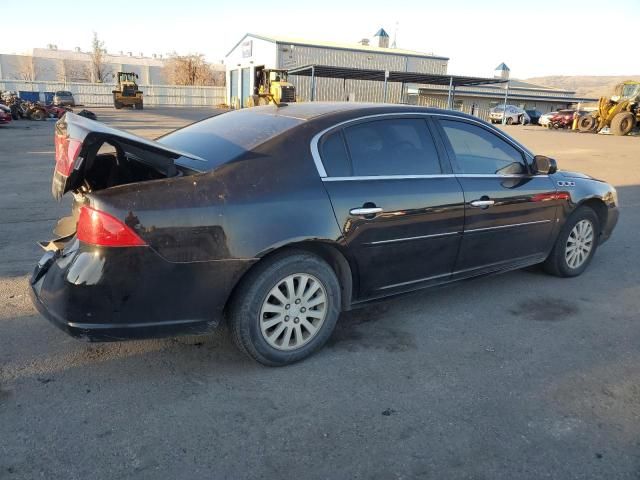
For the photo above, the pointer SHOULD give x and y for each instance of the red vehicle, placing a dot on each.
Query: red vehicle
(5, 114)
(564, 118)
(56, 111)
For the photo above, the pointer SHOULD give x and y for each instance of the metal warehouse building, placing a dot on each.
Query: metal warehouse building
(254, 51)
(285, 53)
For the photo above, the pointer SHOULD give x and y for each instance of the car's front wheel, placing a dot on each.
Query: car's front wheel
(286, 308)
(576, 244)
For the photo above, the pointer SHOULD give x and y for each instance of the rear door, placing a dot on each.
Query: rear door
(399, 207)
(509, 213)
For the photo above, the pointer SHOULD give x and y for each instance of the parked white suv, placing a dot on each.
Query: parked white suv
(514, 115)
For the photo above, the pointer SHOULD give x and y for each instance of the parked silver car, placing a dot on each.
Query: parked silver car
(546, 118)
(64, 97)
(513, 116)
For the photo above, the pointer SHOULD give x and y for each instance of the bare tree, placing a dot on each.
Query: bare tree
(100, 70)
(25, 68)
(75, 71)
(190, 69)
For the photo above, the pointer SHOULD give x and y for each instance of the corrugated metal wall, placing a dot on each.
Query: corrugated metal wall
(100, 93)
(328, 89)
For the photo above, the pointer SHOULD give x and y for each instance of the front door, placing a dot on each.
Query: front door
(245, 75)
(233, 87)
(400, 209)
(509, 213)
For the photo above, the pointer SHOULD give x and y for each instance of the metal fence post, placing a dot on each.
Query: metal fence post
(313, 83)
(449, 95)
(506, 96)
(386, 76)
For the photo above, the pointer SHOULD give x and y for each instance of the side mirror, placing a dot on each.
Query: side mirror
(542, 165)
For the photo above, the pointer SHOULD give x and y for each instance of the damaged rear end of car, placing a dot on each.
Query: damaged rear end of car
(143, 246)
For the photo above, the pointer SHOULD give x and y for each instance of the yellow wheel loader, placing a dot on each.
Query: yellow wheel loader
(126, 92)
(620, 113)
(271, 87)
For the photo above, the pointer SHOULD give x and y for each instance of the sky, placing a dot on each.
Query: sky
(534, 38)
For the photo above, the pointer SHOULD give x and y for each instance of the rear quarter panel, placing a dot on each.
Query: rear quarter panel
(268, 198)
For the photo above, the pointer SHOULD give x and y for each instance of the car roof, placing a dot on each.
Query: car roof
(312, 110)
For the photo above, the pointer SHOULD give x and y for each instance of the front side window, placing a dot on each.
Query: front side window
(397, 146)
(478, 151)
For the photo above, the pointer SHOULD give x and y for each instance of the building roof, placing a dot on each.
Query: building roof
(503, 66)
(381, 33)
(350, 73)
(340, 46)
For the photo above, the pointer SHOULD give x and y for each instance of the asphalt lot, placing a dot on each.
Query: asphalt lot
(519, 376)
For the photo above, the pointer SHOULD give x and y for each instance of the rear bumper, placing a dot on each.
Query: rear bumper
(114, 294)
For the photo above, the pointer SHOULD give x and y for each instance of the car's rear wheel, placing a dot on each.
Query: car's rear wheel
(286, 308)
(576, 244)
(509, 120)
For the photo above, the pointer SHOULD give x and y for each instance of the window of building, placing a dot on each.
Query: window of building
(479, 151)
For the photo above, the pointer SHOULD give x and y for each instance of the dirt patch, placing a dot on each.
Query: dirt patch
(546, 310)
(363, 329)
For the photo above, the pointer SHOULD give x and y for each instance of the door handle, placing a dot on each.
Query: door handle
(482, 203)
(365, 211)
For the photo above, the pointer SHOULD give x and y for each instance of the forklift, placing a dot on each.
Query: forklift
(126, 92)
(271, 87)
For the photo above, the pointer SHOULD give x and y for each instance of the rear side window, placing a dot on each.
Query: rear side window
(392, 147)
(225, 137)
(478, 151)
(334, 155)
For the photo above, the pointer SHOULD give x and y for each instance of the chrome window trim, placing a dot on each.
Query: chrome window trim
(384, 177)
(501, 227)
(315, 151)
(443, 175)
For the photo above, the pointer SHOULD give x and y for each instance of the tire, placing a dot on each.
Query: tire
(557, 262)
(117, 105)
(587, 123)
(138, 106)
(623, 123)
(37, 115)
(248, 319)
(509, 120)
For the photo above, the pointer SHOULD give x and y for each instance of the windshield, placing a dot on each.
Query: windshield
(224, 137)
(630, 90)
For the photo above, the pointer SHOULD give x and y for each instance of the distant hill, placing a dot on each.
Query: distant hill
(584, 86)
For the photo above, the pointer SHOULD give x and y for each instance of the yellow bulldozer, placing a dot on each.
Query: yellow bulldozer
(271, 87)
(620, 113)
(126, 92)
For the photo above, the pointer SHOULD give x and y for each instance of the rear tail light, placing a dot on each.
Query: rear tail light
(99, 228)
(67, 151)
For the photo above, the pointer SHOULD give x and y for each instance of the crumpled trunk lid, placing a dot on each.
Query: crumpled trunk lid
(77, 143)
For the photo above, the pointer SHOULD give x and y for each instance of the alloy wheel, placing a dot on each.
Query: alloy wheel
(293, 311)
(579, 244)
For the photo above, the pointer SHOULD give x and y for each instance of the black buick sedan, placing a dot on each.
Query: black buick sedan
(279, 218)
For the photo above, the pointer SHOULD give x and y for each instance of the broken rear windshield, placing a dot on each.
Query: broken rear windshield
(224, 137)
